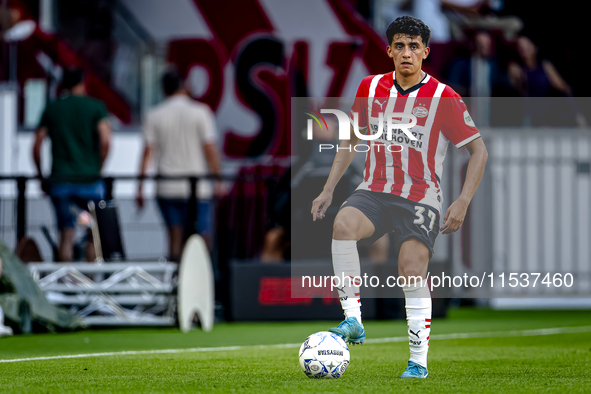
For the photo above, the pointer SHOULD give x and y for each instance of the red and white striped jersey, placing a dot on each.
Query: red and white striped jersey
(415, 171)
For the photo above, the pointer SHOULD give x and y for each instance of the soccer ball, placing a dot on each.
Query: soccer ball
(324, 355)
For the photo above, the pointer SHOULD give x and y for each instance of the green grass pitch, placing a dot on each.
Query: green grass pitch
(499, 354)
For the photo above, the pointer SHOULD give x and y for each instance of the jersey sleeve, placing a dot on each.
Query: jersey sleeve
(360, 104)
(459, 127)
(102, 112)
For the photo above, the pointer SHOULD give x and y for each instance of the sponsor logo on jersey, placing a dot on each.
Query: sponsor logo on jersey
(420, 111)
(380, 104)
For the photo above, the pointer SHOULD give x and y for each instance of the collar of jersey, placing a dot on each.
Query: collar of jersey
(403, 92)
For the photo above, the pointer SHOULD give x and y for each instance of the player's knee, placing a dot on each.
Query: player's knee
(344, 229)
(409, 268)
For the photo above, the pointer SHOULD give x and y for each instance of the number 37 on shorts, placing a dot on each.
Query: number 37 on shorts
(431, 218)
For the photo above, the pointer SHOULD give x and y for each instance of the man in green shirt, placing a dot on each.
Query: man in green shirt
(80, 136)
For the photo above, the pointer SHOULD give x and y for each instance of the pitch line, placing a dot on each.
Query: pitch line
(468, 335)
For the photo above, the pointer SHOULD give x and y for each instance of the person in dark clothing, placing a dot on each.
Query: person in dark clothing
(80, 137)
(534, 76)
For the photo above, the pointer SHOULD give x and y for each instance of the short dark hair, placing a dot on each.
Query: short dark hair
(171, 81)
(409, 26)
(72, 77)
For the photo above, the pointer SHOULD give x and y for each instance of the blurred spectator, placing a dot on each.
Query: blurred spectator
(533, 76)
(429, 11)
(19, 27)
(181, 133)
(80, 137)
(447, 19)
(25, 59)
(480, 75)
(4, 330)
(478, 14)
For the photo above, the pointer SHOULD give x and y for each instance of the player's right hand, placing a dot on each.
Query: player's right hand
(321, 204)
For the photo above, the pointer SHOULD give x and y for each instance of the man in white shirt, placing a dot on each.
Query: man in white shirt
(180, 133)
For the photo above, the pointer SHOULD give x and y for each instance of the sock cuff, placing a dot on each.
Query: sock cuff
(416, 290)
(344, 246)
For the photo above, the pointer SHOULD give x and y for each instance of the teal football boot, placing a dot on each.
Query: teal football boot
(415, 370)
(351, 330)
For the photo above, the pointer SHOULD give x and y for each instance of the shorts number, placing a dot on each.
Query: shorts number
(421, 219)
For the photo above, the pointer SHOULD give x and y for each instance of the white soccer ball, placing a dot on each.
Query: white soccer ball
(324, 355)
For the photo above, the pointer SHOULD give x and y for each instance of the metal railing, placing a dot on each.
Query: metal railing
(23, 213)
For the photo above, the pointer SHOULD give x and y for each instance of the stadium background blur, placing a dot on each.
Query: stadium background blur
(246, 60)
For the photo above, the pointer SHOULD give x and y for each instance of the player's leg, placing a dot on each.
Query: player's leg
(205, 225)
(350, 226)
(175, 242)
(66, 248)
(83, 194)
(90, 247)
(413, 261)
(174, 214)
(378, 252)
(66, 220)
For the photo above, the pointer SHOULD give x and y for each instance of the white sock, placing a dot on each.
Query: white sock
(418, 317)
(1, 317)
(345, 262)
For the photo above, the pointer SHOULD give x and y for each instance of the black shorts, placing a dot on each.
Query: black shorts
(388, 212)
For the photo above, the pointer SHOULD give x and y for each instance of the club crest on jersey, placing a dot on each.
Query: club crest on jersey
(420, 111)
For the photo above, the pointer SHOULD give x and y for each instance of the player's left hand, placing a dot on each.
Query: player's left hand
(454, 217)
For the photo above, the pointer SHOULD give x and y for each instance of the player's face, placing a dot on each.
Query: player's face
(408, 54)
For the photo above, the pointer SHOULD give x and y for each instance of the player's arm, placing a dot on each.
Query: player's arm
(104, 132)
(212, 156)
(147, 155)
(40, 135)
(341, 162)
(455, 214)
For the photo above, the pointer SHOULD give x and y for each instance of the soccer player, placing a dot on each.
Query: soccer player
(400, 191)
